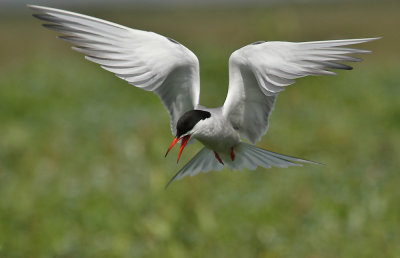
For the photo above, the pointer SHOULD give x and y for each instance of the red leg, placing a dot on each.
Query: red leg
(232, 154)
(218, 158)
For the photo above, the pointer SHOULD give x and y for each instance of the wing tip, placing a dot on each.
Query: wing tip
(360, 41)
(363, 40)
(32, 6)
(38, 7)
(372, 39)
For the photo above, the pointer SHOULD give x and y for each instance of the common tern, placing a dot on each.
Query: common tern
(257, 73)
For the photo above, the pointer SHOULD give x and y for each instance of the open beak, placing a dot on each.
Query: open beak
(184, 141)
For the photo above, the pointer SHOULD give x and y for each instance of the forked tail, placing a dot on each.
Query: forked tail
(247, 156)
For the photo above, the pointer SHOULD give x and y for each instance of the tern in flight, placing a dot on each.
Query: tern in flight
(258, 72)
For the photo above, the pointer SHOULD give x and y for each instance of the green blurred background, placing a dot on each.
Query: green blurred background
(82, 167)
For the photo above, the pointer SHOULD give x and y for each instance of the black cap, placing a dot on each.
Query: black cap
(188, 120)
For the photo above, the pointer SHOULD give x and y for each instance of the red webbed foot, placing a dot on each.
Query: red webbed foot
(218, 158)
(232, 154)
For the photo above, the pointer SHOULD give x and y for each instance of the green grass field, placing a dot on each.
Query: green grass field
(82, 167)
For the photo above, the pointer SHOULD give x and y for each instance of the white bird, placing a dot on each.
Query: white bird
(257, 73)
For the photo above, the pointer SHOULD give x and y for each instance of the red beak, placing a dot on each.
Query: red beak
(184, 141)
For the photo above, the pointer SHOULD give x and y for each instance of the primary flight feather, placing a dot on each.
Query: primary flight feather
(257, 73)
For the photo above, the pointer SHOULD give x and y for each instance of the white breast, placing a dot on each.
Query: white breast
(216, 133)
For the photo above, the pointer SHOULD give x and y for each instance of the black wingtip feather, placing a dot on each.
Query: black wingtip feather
(52, 26)
(258, 42)
(173, 41)
(341, 66)
(44, 17)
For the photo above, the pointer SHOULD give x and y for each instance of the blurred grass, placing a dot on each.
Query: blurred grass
(82, 171)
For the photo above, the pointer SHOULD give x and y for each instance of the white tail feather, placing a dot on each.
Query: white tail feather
(246, 156)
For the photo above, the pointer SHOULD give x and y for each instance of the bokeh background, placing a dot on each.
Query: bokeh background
(82, 167)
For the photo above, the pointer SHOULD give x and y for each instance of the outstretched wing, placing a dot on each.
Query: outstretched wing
(145, 59)
(259, 71)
